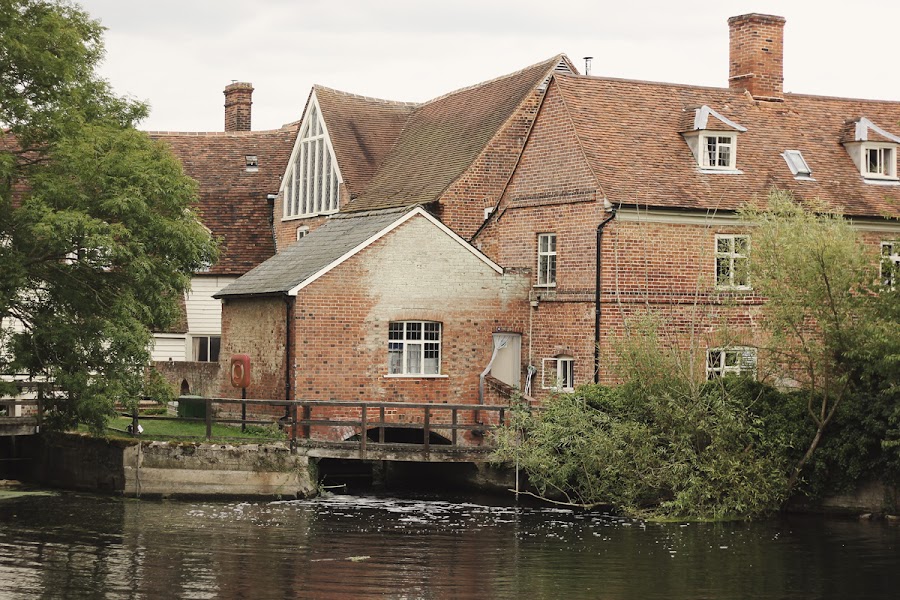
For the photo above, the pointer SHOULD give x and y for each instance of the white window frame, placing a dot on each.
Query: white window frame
(797, 164)
(311, 185)
(722, 141)
(733, 259)
(195, 342)
(409, 345)
(302, 232)
(558, 373)
(546, 260)
(890, 257)
(886, 168)
(730, 360)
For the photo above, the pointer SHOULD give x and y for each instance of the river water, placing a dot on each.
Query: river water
(80, 546)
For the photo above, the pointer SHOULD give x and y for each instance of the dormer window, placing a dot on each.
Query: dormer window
(880, 161)
(719, 151)
(712, 139)
(873, 150)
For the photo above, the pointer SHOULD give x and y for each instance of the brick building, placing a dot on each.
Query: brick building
(523, 221)
(238, 172)
(652, 174)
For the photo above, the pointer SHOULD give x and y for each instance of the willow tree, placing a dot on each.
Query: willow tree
(97, 235)
(832, 326)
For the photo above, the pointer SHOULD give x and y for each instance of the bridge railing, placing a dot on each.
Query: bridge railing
(302, 418)
(430, 418)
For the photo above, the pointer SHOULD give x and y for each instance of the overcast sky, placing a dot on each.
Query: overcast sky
(178, 55)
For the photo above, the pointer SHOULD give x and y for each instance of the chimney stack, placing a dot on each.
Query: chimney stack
(757, 56)
(237, 106)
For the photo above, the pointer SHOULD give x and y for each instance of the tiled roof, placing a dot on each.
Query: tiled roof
(233, 201)
(444, 136)
(629, 131)
(362, 131)
(312, 253)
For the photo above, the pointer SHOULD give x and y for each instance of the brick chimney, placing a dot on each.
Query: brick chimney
(237, 106)
(757, 56)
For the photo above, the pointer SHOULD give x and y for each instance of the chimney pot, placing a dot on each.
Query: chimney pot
(756, 55)
(238, 100)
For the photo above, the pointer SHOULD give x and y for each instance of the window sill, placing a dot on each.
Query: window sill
(405, 376)
(308, 216)
(875, 180)
(734, 288)
(711, 171)
(545, 286)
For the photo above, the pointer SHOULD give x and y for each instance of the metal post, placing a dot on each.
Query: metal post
(453, 421)
(243, 410)
(427, 427)
(307, 416)
(363, 434)
(293, 408)
(208, 419)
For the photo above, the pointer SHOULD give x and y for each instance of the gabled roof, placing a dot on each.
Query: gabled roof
(444, 136)
(362, 131)
(864, 130)
(340, 238)
(705, 118)
(630, 132)
(232, 200)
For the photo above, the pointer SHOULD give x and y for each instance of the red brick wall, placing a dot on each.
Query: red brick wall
(286, 229)
(413, 273)
(756, 61)
(462, 205)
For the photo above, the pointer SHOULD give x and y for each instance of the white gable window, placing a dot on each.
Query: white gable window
(712, 138)
(875, 158)
(558, 373)
(730, 361)
(733, 262)
(312, 181)
(719, 151)
(880, 161)
(414, 348)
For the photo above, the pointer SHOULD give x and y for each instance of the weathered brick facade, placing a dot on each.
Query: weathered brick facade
(340, 324)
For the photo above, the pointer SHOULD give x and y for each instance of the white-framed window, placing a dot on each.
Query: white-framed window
(890, 263)
(718, 151)
(302, 232)
(206, 348)
(797, 164)
(736, 360)
(312, 182)
(558, 373)
(732, 261)
(414, 348)
(879, 161)
(546, 260)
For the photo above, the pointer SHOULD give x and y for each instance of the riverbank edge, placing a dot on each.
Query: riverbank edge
(156, 469)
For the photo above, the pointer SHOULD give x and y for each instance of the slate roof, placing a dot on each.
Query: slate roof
(630, 134)
(443, 137)
(309, 255)
(232, 203)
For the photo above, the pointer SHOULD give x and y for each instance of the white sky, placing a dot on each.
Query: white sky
(179, 54)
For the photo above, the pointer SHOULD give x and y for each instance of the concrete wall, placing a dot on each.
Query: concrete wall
(171, 469)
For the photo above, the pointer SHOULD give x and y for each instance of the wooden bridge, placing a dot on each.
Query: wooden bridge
(354, 430)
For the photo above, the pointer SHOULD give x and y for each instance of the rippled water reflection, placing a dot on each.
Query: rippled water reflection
(76, 546)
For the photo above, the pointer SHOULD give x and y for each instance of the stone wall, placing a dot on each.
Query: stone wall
(170, 469)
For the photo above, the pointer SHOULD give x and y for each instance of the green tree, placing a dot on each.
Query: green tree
(660, 444)
(832, 327)
(97, 235)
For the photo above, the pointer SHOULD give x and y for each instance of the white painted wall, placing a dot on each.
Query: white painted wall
(167, 346)
(204, 313)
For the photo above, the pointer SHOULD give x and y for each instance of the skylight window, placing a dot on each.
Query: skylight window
(797, 164)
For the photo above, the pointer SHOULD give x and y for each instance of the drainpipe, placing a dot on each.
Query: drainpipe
(288, 354)
(270, 203)
(597, 282)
